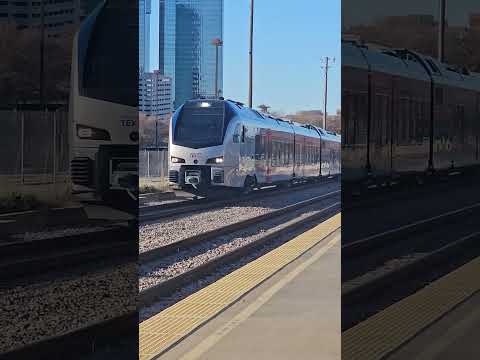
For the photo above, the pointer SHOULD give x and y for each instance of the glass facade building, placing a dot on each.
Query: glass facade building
(144, 9)
(186, 53)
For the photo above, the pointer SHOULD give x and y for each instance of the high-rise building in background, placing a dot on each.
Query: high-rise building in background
(57, 15)
(145, 10)
(155, 91)
(186, 54)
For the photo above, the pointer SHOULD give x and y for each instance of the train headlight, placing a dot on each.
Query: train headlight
(215, 160)
(176, 160)
(91, 133)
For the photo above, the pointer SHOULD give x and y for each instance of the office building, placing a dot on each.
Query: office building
(57, 14)
(186, 53)
(145, 10)
(155, 91)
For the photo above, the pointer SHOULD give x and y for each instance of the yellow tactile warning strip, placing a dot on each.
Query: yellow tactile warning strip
(385, 332)
(174, 323)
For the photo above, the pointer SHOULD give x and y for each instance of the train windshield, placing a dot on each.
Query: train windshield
(200, 124)
(106, 47)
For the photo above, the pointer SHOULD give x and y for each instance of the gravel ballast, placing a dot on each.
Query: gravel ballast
(43, 310)
(222, 271)
(173, 229)
(154, 273)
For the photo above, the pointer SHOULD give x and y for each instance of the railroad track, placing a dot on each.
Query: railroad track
(84, 341)
(398, 190)
(166, 288)
(25, 258)
(162, 211)
(381, 269)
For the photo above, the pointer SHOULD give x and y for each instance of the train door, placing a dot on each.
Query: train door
(234, 177)
(247, 151)
(300, 153)
(261, 165)
(380, 149)
(268, 156)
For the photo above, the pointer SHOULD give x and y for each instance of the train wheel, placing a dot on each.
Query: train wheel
(249, 184)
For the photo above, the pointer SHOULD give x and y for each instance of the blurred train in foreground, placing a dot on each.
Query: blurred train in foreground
(221, 143)
(405, 114)
(103, 102)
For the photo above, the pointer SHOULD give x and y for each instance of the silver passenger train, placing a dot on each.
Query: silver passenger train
(221, 143)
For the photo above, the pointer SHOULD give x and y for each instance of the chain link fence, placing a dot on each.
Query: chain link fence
(35, 145)
(153, 163)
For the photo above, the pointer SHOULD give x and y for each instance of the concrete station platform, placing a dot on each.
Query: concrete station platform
(439, 322)
(290, 311)
(455, 336)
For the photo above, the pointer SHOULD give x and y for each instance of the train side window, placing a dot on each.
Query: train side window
(439, 96)
(236, 134)
(244, 132)
(461, 123)
(402, 127)
(349, 117)
(259, 148)
(411, 123)
(285, 153)
(274, 153)
(361, 114)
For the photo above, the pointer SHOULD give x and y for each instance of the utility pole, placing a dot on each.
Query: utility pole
(42, 50)
(217, 42)
(326, 67)
(441, 32)
(250, 55)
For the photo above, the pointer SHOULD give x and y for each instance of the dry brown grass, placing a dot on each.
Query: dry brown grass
(153, 184)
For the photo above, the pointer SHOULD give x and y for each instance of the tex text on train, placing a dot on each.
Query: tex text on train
(222, 143)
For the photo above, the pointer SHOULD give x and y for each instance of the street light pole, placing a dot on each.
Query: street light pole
(250, 55)
(217, 42)
(441, 32)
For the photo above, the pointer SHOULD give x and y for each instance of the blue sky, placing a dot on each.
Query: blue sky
(290, 39)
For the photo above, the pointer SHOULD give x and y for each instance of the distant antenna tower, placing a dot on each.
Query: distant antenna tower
(264, 108)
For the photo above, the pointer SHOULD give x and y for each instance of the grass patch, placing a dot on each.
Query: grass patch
(153, 185)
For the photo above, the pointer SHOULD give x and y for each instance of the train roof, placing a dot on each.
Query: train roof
(270, 121)
(406, 63)
(306, 129)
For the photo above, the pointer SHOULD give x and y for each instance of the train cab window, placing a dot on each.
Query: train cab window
(244, 132)
(199, 125)
(106, 48)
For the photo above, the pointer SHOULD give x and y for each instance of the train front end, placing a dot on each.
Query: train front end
(103, 105)
(198, 157)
